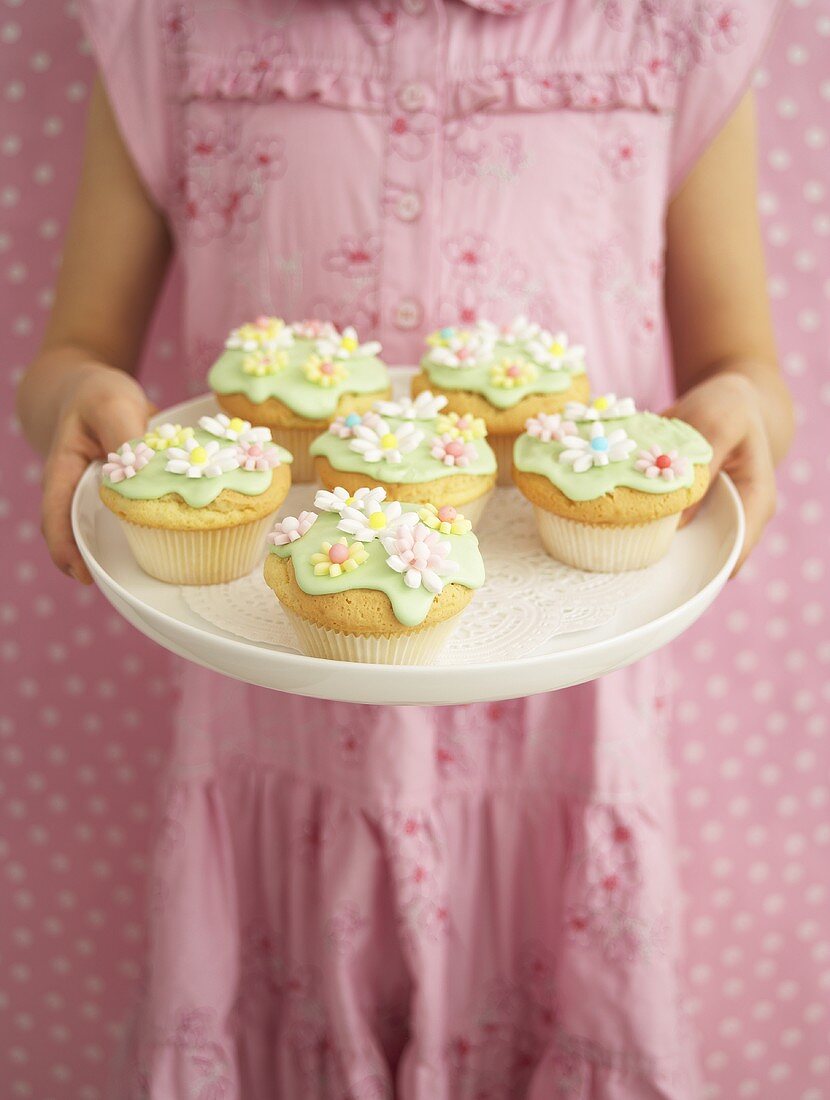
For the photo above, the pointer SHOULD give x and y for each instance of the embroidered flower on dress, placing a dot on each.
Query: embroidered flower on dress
(605, 407)
(554, 352)
(264, 363)
(340, 498)
(464, 427)
(380, 444)
(373, 519)
(453, 451)
(201, 459)
(126, 461)
(251, 455)
(338, 557)
(420, 556)
(549, 426)
(264, 334)
(324, 372)
(667, 465)
(445, 519)
(598, 450)
(291, 528)
(314, 330)
(167, 435)
(426, 406)
(345, 345)
(452, 347)
(234, 429)
(510, 373)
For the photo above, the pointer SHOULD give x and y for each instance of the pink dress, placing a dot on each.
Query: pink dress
(465, 903)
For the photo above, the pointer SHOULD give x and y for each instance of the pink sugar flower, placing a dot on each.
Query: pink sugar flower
(421, 555)
(656, 463)
(453, 451)
(549, 426)
(291, 528)
(126, 461)
(255, 456)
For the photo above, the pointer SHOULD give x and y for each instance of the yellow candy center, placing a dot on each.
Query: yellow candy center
(601, 403)
(198, 456)
(377, 521)
(348, 343)
(236, 424)
(388, 441)
(556, 348)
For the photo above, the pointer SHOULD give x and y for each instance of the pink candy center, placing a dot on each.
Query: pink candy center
(662, 462)
(255, 451)
(514, 371)
(455, 449)
(326, 368)
(447, 514)
(338, 553)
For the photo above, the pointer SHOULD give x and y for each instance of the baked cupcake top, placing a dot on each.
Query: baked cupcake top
(364, 542)
(592, 449)
(408, 441)
(503, 364)
(307, 366)
(195, 463)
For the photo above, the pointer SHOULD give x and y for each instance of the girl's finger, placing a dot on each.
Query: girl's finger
(62, 473)
(117, 419)
(754, 478)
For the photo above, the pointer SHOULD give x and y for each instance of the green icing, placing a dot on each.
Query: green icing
(417, 466)
(534, 457)
(477, 379)
(410, 605)
(153, 481)
(290, 385)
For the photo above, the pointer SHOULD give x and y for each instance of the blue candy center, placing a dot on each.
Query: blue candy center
(446, 333)
(352, 420)
(599, 444)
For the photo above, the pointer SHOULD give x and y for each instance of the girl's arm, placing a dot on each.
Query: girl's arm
(725, 361)
(77, 400)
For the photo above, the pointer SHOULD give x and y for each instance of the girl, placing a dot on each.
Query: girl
(478, 901)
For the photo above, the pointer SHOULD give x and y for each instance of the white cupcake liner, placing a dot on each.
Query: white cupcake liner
(421, 647)
(601, 548)
(503, 449)
(297, 441)
(211, 556)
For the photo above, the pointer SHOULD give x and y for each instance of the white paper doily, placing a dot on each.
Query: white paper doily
(527, 599)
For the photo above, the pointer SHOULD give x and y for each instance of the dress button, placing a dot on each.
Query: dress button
(414, 7)
(412, 97)
(408, 314)
(408, 206)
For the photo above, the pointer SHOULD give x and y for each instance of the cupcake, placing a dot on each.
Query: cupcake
(608, 483)
(416, 452)
(196, 503)
(295, 378)
(367, 580)
(503, 375)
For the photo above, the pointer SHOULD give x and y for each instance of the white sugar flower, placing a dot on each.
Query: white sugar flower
(598, 450)
(426, 406)
(605, 407)
(667, 465)
(344, 426)
(339, 498)
(125, 463)
(464, 348)
(195, 459)
(266, 333)
(380, 444)
(549, 426)
(374, 520)
(555, 352)
(314, 329)
(421, 556)
(234, 429)
(291, 528)
(346, 345)
(520, 330)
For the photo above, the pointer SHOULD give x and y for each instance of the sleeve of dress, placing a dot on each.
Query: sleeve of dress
(127, 39)
(727, 41)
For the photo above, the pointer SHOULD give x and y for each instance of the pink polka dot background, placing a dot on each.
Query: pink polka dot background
(85, 704)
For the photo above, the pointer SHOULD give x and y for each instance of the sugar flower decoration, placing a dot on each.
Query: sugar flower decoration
(666, 465)
(519, 331)
(510, 373)
(201, 459)
(374, 520)
(346, 345)
(451, 347)
(343, 426)
(464, 427)
(445, 519)
(324, 372)
(549, 426)
(555, 352)
(426, 406)
(339, 498)
(262, 364)
(254, 456)
(338, 557)
(597, 450)
(606, 406)
(379, 443)
(167, 435)
(291, 528)
(265, 333)
(452, 451)
(421, 556)
(126, 461)
(314, 329)
(234, 429)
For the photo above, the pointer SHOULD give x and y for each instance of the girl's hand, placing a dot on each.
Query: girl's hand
(727, 409)
(101, 408)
